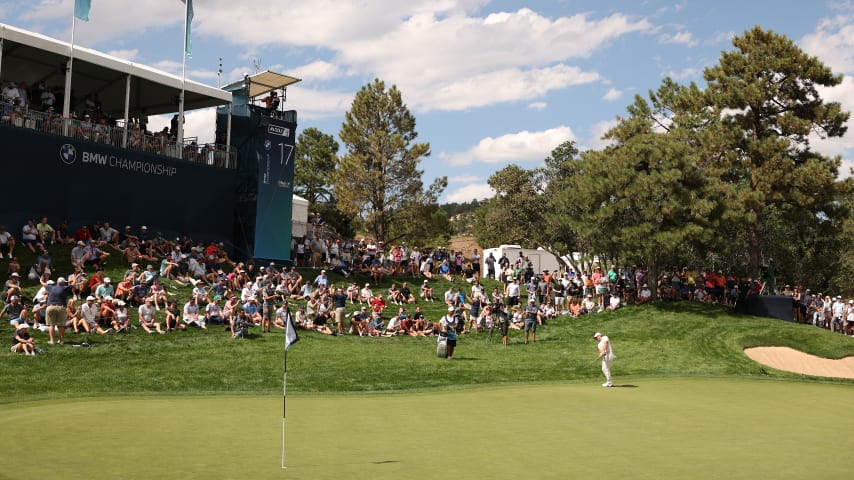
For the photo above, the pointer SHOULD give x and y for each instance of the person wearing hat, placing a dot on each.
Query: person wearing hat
(22, 342)
(16, 311)
(588, 305)
(57, 299)
(359, 322)
(191, 314)
(606, 353)
(532, 319)
(121, 320)
(339, 302)
(12, 287)
(448, 328)
(645, 294)
(90, 313)
(250, 309)
(105, 289)
(147, 317)
(173, 315)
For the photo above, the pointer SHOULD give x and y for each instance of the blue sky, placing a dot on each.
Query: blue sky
(490, 82)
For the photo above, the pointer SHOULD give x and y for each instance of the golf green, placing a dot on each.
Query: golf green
(647, 428)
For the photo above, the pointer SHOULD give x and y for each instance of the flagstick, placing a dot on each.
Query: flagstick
(284, 397)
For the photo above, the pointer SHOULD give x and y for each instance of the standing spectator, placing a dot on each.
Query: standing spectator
(339, 302)
(57, 299)
(532, 319)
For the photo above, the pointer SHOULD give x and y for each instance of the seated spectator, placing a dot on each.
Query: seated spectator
(359, 322)
(105, 289)
(77, 255)
(200, 293)
(613, 303)
(427, 292)
(139, 295)
(107, 311)
(124, 290)
(252, 312)
(46, 233)
(353, 293)
(644, 294)
(173, 316)
(191, 314)
(83, 234)
(365, 294)
(15, 310)
(445, 271)
(30, 237)
(94, 256)
(14, 266)
(394, 295)
(213, 312)
(12, 287)
(121, 322)
(281, 316)
(158, 295)
(426, 268)
(44, 264)
(147, 318)
(588, 305)
(7, 243)
(108, 235)
(378, 305)
(88, 317)
(574, 307)
(22, 342)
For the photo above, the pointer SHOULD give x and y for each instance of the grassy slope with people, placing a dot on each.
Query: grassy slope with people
(663, 339)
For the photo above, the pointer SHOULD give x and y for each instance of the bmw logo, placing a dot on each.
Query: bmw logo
(67, 153)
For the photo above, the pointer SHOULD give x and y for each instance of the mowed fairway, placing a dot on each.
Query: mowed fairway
(648, 428)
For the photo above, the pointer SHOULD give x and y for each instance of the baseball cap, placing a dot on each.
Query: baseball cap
(450, 309)
(14, 274)
(80, 242)
(61, 280)
(106, 279)
(597, 334)
(50, 282)
(90, 297)
(23, 325)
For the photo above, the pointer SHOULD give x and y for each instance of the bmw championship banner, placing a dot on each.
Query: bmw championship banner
(275, 154)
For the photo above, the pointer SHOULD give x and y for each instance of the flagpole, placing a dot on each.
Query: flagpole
(180, 138)
(69, 65)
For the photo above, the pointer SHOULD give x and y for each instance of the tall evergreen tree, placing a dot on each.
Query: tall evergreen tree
(316, 155)
(377, 179)
(766, 93)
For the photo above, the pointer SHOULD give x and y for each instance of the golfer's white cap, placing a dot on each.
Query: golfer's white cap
(450, 309)
(597, 335)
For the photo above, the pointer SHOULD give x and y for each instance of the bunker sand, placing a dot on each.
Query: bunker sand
(791, 360)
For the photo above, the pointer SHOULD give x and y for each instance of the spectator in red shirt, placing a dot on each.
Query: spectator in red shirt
(83, 234)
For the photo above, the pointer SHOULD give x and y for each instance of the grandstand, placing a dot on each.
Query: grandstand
(96, 160)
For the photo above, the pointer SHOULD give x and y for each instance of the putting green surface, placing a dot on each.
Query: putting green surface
(656, 429)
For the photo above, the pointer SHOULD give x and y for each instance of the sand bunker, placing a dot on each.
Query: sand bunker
(791, 360)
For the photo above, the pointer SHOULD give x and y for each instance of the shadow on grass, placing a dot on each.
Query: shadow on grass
(628, 385)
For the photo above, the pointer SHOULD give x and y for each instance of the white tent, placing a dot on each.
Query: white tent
(299, 217)
(542, 259)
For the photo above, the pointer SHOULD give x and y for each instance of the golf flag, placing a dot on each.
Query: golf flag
(188, 44)
(291, 336)
(81, 9)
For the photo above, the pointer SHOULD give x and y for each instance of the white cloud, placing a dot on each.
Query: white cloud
(472, 191)
(497, 87)
(463, 178)
(539, 106)
(721, 37)
(844, 94)
(612, 95)
(128, 54)
(595, 142)
(522, 146)
(317, 104)
(199, 123)
(679, 38)
(319, 70)
(833, 43)
(683, 74)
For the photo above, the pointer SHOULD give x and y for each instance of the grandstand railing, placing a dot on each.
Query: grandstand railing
(216, 155)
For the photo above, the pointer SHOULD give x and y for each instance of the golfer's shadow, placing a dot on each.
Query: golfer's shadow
(627, 385)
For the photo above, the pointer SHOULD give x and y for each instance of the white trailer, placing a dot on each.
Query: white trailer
(299, 217)
(542, 259)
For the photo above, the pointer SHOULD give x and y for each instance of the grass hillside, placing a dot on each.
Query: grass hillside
(659, 340)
